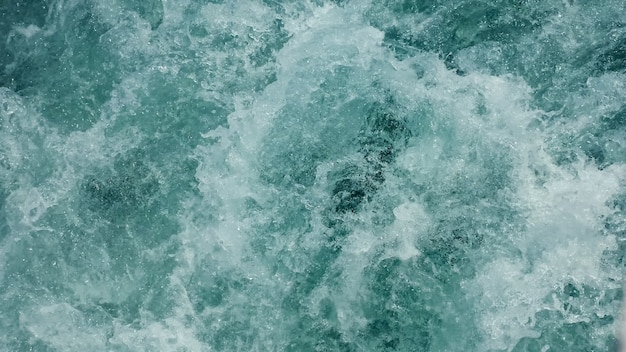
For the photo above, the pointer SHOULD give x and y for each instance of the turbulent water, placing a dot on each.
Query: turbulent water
(261, 175)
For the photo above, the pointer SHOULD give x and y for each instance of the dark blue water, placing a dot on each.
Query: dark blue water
(206, 175)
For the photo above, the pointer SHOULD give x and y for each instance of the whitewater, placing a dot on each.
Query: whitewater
(324, 175)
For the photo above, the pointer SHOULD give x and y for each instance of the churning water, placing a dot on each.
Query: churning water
(261, 175)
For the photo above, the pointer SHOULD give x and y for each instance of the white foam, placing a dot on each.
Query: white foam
(170, 335)
(411, 222)
(563, 206)
(561, 243)
(28, 31)
(63, 327)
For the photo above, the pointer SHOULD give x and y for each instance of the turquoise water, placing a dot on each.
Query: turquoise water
(259, 175)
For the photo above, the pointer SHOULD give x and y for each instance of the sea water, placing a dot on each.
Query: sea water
(268, 175)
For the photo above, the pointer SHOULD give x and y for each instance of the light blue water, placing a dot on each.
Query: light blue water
(206, 175)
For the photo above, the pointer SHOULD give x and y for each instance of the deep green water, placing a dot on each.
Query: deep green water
(259, 175)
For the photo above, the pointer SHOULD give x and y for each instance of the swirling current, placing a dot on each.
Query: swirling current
(315, 175)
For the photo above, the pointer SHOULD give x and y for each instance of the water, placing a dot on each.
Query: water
(206, 175)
